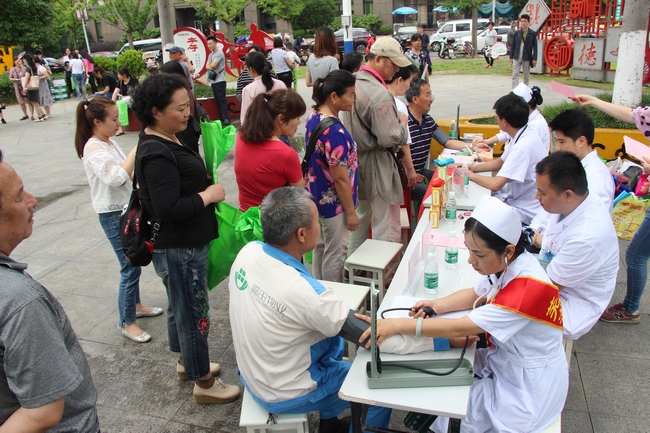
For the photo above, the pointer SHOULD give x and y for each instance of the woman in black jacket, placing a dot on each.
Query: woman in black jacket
(175, 189)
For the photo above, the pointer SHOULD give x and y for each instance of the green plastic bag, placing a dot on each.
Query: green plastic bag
(236, 229)
(217, 141)
(123, 113)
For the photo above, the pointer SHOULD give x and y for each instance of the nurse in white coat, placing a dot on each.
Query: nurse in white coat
(523, 376)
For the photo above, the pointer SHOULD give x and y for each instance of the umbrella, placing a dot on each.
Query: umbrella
(444, 9)
(404, 11)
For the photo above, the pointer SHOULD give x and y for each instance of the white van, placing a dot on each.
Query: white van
(145, 45)
(455, 29)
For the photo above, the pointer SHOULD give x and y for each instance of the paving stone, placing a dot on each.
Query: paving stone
(113, 420)
(576, 397)
(617, 339)
(574, 421)
(607, 423)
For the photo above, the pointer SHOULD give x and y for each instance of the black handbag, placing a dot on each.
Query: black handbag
(313, 138)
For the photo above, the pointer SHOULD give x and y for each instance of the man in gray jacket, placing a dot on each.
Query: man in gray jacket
(378, 129)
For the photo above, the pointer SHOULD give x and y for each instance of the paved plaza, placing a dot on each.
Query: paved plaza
(138, 390)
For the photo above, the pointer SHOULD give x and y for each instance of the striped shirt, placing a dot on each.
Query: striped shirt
(421, 135)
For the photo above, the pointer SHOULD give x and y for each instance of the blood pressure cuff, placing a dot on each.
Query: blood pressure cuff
(353, 328)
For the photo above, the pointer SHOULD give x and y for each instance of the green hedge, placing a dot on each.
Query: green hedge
(7, 89)
(601, 120)
(108, 64)
(132, 60)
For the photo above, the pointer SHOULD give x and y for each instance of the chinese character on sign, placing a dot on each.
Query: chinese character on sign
(533, 11)
(191, 44)
(588, 55)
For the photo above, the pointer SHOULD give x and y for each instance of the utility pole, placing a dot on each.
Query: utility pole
(346, 21)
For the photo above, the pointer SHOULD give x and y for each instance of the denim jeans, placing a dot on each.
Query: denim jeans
(636, 259)
(79, 85)
(184, 274)
(128, 295)
(219, 93)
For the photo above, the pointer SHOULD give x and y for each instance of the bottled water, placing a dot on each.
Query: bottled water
(453, 133)
(431, 274)
(450, 208)
(451, 257)
(465, 170)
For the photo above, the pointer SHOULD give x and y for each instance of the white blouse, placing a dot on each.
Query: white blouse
(110, 184)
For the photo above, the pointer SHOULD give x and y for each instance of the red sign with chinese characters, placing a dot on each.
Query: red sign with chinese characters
(195, 45)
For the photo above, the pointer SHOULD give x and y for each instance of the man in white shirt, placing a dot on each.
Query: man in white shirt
(286, 326)
(515, 180)
(579, 248)
(574, 132)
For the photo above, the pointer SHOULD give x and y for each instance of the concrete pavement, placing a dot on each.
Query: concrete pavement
(138, 390)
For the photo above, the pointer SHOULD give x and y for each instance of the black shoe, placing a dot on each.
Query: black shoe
(3, 120)
(333, 425)
(225, 122)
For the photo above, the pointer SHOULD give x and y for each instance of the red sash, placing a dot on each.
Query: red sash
(533, 299)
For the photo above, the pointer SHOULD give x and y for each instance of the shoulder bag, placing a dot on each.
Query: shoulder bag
(313, 138)
(137, 233)
(31, 83)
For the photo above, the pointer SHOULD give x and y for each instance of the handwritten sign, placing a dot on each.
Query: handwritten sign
(589, 53)
(538, 11)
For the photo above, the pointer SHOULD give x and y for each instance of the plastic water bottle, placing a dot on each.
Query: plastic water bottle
(465, 170)
(431, 274)
(451, 257)
(450, 208)
(452, 129)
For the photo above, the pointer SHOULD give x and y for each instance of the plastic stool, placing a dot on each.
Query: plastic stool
(256, 419)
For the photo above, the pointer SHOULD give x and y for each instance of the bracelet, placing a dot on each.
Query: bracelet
(418, 327)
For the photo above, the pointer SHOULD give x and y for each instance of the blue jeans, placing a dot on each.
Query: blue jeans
(184, 274)
(636, 259)
(79, 85)
(128, 294)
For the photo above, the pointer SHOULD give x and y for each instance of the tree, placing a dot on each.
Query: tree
(286, 10)
(629, 68)
(130, 16)
(26, 22)
(316, 14)
(66, 23)
(225, 11)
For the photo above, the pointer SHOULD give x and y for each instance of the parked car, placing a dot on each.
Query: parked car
(403, 35)
(480, 38)
(144, 45)
(55, 65)
(456, 29)
(110, 54)
(359, 39)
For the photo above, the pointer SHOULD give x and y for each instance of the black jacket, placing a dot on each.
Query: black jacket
(170, 178)
(530, 45)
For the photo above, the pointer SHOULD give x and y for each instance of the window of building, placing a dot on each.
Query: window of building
(367, 6)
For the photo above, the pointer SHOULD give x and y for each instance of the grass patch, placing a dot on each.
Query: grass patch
(601, 120)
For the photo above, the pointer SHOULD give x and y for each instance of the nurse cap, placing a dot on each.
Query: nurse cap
(499, 218)
(523, 91)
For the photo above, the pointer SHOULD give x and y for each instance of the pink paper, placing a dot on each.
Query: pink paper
(563, 89)
(636, 149)
(443, 240)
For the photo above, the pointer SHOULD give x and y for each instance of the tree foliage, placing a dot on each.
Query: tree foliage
(316, 14)
(66, 23)
(130, 16)
(286, 10)
(368, 21)
(25, 22)
(226, 11)
(132, 60)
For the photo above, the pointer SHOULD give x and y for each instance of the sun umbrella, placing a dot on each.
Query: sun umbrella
(404, 11)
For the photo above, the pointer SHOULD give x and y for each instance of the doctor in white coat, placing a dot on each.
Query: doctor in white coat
(523, 376)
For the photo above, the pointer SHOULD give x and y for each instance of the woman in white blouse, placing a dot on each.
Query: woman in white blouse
(109, 173)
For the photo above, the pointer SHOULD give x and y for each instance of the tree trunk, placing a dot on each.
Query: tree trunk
(166, 15)
(474, 24)
(229, 32)
(629, 68)
(129, 38)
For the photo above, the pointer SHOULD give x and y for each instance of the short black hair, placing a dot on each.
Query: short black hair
(574, 123)
(352, 61)
(565, 172)
(157, 92)
(277, 42)
(524, 17)
(404, 72)
(211, 38)
(513, 109)
(416, 37)
(415, 89)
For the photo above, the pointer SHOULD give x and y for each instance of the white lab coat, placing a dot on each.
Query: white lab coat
(583, 253)
(537, 123)
(599, 179)
(520, 157)
(524, 376)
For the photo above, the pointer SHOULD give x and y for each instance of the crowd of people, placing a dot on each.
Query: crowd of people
(287, 328)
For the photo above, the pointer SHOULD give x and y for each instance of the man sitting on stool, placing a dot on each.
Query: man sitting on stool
(579, 248)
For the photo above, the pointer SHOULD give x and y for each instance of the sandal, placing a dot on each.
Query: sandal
(119, 133)
(24, 118)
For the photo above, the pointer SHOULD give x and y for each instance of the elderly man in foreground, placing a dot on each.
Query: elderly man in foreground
(45, 382)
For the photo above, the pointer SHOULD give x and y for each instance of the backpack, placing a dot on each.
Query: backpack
(137, 233)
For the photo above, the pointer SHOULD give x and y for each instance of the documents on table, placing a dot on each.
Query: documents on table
(444, 240)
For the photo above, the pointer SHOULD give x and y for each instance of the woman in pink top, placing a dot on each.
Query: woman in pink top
(263, 162)
(89, 63)
(258, 69)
